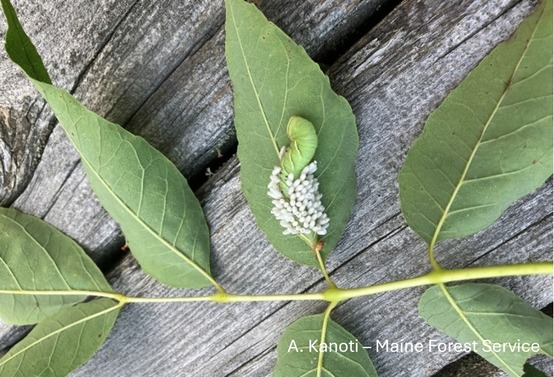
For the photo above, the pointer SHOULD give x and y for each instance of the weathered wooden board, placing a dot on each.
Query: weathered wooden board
(147, 77)
(25, 124)
(393, 78)
(239, 339)
(141, 67)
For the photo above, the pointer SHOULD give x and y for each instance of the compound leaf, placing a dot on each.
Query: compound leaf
(60, 344)
(34, 256)
(490, 141)
(140, 188)
(493, 320)
(301, 351)
(274, 79)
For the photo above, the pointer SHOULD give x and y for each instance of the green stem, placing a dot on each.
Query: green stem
(432, 260)
(326, 316)
(330, 282)
(224, 298)
(332, 294)
(313, 244)
(446, 276)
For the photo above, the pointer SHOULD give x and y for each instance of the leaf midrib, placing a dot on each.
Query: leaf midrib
(319, 367)
(460, 183)
(143, 224)
(42, 247)
(464, 318)
(272, 137)
(324, 326)
(123, 205)
(60, 330)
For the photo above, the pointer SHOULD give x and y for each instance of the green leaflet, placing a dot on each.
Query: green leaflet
(490, 141)
(34, 256)
(488, 313)
(140, 188)
(297, 351)
(20, 48)
(60, 344)
(274, 79)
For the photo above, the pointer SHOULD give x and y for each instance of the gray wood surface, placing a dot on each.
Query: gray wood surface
(175, 92)
(68, 48)
(141, 66)
(162, 74)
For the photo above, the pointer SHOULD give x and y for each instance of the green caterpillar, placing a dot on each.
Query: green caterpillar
(300, 152)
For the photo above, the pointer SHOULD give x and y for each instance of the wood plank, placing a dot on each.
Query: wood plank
(25, 123)
(143, 73)
(148, 45)
(147, 78)
(239, 339)
(67, 48)
(393, 79)
(474, 365)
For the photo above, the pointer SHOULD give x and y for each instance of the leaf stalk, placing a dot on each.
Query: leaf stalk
(331, 294)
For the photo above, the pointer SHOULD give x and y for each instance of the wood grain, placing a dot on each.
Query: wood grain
(146, 77)
(140, 66)
(393, 77)
(67, 48)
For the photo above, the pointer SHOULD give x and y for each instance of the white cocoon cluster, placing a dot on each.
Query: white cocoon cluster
(301, 210)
